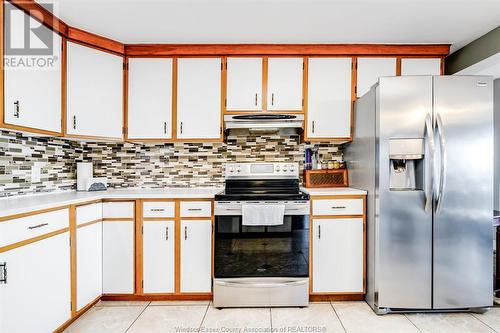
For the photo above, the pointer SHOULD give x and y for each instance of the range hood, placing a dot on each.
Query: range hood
(267, 122)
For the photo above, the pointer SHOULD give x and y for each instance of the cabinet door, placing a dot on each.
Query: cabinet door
(37, 296)
(244, 84)
(284, 84)
(149, 98)
(329, 98)
(88, 264)
(196, 256)
(337, 255)
(94, 92)
(33, 95)
(370, 70)
(199, 98)
(118, 257)
(159, 256)
(421, 66)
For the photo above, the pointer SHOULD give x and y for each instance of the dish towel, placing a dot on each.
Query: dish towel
(262, 215)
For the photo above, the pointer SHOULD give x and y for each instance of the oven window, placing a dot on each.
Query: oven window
(258, 251)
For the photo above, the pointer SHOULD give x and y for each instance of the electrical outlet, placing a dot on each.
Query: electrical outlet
(36, 172)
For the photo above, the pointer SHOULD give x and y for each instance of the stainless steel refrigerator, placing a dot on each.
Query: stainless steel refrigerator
(423, 149)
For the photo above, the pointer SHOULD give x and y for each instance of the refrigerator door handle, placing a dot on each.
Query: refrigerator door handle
(442, 176)
(429, 132)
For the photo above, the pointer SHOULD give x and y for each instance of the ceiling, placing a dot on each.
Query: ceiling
(284, 21)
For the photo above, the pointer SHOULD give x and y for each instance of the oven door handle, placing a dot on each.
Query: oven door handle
(261, 285)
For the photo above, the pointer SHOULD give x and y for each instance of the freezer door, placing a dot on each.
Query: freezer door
(403, 228)
(463, 262)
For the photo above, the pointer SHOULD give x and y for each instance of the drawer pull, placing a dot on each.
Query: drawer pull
(157, 209)
(319, 231)
(3, 272)
(166, 234)
(338, 207)
(194, 209)
(185, 233)
(38, 226)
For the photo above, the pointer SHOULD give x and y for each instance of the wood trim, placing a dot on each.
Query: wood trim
(177, 247)
(285, 49)
(337, 297)
(73, 257)
(158, 219)
(31, 213)
(340, 196)
(265, 77)
(158, 297)
(138, 248)
(125, 99)
(88, 203)
(398, 66)
(32, 240)
(354, 93)
(42, 15)
(64, 326)
(95, 41)
(174, 98)
(88, 223)
(443, 59)
(331, 217)
(223, 95)
(2, 73)
(305, 96)
(364, 245)
(90, 137)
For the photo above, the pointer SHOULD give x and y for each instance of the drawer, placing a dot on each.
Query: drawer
(118, 209)
(196, 209)
(88, 213)
(23, 228)
(158, 209)
(337, 207)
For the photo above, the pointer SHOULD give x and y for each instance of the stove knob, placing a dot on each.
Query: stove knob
(277, 168)
(230, 169)
(238, 169)
(284, 168)
(292, 168)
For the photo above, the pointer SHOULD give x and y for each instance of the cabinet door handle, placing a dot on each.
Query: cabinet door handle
(272, 99)
(74, 122)
(185, 232)
(38, 226)
(157, 209)
(194, 209)
(319, 231)
(313, 126)
(182, 124)
(17, 113)
(164, 127)
(256, 96)
(338, 207)
(166, 233)
(3, 272)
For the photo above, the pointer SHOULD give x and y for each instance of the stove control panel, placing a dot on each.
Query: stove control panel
(262, 170)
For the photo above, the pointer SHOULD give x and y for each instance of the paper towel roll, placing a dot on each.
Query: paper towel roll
(84, 171)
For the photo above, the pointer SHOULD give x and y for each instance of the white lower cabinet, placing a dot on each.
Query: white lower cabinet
(159, 256)
(337, 255)
(88, 264)
(118, 257)
(37, 295)
(196, 256)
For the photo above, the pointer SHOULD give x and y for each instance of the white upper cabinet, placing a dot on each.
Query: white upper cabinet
(284, 84)
(244, 84)
(370, 70)
(421, 66)
(329, 98)
(199, 98)
(33, 95)
(94, 92)
(150, 98)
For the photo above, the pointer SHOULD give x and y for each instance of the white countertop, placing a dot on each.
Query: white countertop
(333, 191)
(22, 204)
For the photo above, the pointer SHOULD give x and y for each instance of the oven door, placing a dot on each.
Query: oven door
(261, 251)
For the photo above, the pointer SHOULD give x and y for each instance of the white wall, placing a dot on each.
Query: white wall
(497, 144)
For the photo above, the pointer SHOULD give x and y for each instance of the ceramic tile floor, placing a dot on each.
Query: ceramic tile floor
(187, 317)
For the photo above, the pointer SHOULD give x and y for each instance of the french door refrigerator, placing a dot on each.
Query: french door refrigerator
(423, 149)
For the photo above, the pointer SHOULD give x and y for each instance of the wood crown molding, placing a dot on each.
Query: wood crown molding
(162, 50)
(142, 50)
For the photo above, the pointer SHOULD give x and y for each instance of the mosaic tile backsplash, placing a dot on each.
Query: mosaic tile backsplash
(145, 165)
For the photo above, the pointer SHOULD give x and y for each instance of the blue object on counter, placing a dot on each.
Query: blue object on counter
(308, 161)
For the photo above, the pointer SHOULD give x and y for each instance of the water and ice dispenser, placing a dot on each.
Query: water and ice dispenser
(406, 158)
